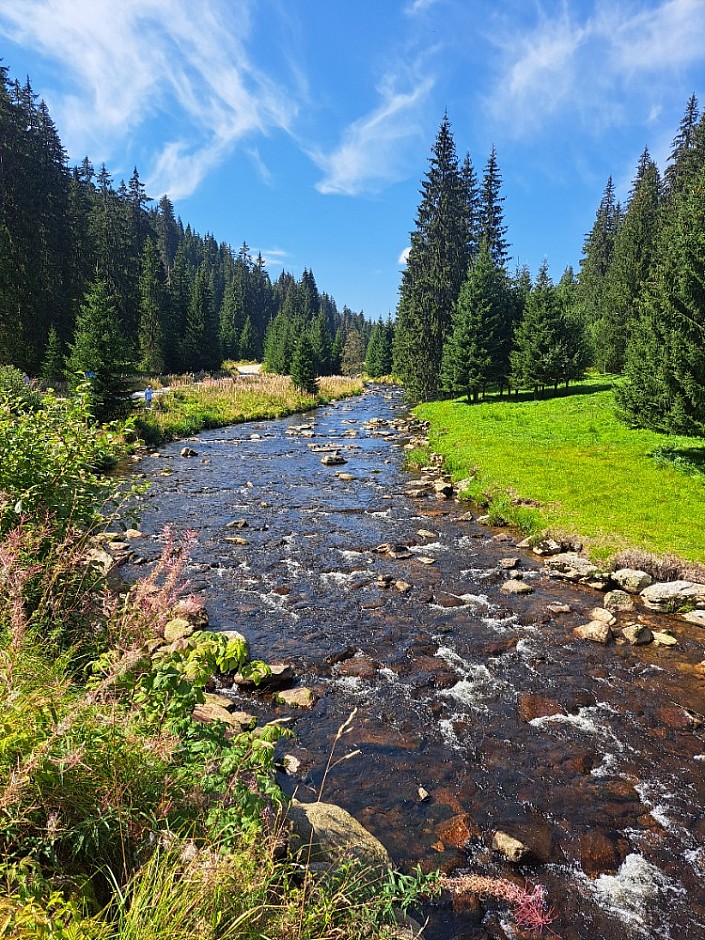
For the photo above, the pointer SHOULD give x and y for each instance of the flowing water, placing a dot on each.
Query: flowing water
(593, 756)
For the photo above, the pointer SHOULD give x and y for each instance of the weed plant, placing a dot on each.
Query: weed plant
(568, 465)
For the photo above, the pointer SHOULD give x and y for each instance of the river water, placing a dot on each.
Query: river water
(593, 756)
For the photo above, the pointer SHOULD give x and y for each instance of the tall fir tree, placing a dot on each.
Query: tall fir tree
(304, 368)
(434, 273)
(632, 255)
(492, 229)
(152, 305)
(98, 354)
(539, 358)
(378, 356)
(598, 248)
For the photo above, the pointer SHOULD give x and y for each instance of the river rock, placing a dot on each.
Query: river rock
(601, 852)
(178, 628)
(509, 563)
(601, 613)
(457, 831)
(637, 634)
(664, 639)
(512, 849)
(238, 524)
(188, 452)
(101, 561)
(558, 608)
(448, 600)
(673, 596)
(346, 477)
(571, 566)
(298, 698)
(212, 711)
(235, 540)
(425, 560)
(360, 667)
(443, 490)
(333, 460)
(530, 706)
(513, 586)
(631, 580)
(618, 600)
(426, 534)
(402, 586)
(695, 616)
(597, 630)
(546, 547)
(326, 832)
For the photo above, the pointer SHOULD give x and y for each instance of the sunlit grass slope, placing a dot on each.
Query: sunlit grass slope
(592, 476)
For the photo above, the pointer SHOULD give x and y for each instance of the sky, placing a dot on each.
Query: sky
(304, 127)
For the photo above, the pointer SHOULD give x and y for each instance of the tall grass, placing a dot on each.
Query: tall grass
(220, 402)
(587, 473)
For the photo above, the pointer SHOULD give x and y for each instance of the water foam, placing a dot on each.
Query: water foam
(627, 894)
(587, 720)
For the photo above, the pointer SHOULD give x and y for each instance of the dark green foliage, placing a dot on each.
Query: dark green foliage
(98, 354)
(304, 368)
(178, 296)
(322, 343)
(472, 354)
(491, 216)
(152, 306)
(435, 271)
(378, 358)
(665, 373)
(540, 354)
(631, 258)
(352, 360)
(53, 369)
(597, 255)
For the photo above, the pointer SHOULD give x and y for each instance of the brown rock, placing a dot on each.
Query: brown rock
(361, 667)
(298, 698)
(457, 831)
(596, 630)
(637, 634)
(530, 706)
(513, 586)
(600, 852)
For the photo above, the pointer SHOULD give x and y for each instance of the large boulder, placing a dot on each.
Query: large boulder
(672, 596)
(631, 580)
(327, 833)
(571, 566)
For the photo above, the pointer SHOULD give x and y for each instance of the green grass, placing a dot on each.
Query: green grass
(216, 403)
(593, 477)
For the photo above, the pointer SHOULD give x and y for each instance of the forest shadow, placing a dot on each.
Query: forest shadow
(580, 388)
(689, 460)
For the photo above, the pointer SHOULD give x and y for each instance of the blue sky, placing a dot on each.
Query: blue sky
(304, 126)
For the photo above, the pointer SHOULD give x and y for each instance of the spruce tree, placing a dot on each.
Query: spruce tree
(540, 355)
(470, 355)
(200, 343)
(303, 366)
(664, 386)
(435, 271)
(378, 357)
(152, 304)
(322, 343)
(248, 342)
(98, 354)
(597, 255)
(53, 370)
(491, 214)
(629, 265)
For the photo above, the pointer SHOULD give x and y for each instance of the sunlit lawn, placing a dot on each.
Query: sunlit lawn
(593, 477)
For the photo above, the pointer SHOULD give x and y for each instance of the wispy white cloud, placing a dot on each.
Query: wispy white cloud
(370, 154)
(592, 67)
(414, 7)
(273, 257)
(404, 256)
(263, 171)
(133, 59)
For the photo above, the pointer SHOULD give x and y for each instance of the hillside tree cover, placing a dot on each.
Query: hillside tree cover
(180, 301)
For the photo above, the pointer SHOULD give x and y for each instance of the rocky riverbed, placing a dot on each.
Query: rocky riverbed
(508, 720)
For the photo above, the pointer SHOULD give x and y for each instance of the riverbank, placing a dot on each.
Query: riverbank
(216, 403)
(566, 464)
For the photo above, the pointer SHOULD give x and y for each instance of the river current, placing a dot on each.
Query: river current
(475, 712)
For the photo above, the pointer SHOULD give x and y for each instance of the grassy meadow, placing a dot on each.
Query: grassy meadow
(214, 403)
(592, 477)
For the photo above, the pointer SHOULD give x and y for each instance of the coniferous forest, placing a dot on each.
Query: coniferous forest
(466, 324)
(94, 277)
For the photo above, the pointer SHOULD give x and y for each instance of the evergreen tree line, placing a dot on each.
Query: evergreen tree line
(641, 287)
(94, 277)
(464, 324)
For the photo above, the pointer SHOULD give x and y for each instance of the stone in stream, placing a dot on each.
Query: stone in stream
(177, 629)
(297, 698)
(571, 566)
(673, 596)
(346, 477)
(597, 630)
(235, 540)
(661, 638)
(403, 587)
(509, 563)
(426, 534)
(618, 600)
(425, 560)
(188, 452)
(326, 832)
(559, 608)
(333, 460)
(631, 580)
(602, 852)
(531, 706)
(637, 634)
(514, 586)
(606, 616)
(695, 616)
(238, 524)
(546, 547)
